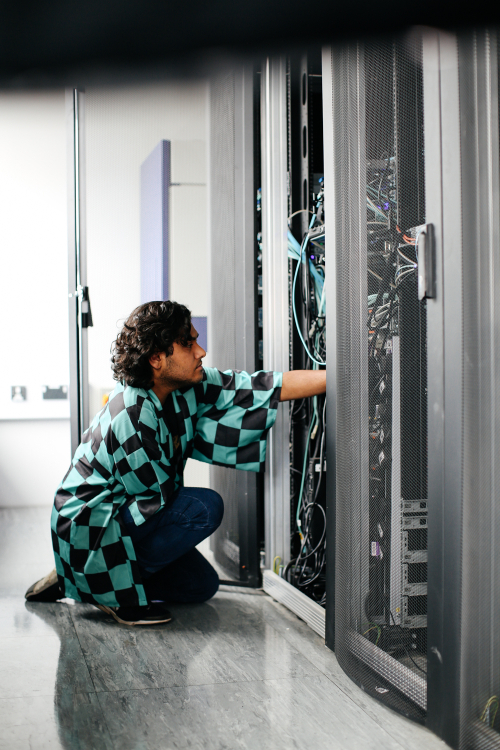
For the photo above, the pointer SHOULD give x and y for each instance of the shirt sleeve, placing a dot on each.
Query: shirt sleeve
(142, 464)
(235, 412)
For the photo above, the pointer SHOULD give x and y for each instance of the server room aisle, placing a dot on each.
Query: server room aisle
(237, 672)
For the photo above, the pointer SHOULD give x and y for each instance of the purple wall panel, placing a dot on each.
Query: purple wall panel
(200, 323)
(155, 184)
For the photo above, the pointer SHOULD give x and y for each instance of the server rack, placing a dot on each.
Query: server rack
(293, 309)
(412, 186)
(374, 183)
(423, 595)
(234, 308)
(307, 324)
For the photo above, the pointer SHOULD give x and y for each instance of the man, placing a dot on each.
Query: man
(124, 528)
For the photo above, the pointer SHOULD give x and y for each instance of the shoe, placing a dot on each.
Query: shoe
(45, 590)
(153, 614)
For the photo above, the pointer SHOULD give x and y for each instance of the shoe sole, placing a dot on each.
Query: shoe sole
(42, 585)
(109, 611)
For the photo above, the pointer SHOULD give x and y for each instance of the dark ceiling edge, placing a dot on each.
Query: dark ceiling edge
(113, 42)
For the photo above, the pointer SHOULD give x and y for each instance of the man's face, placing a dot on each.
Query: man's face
(183, 366)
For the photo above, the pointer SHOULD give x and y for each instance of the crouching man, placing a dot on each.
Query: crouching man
(124, 528)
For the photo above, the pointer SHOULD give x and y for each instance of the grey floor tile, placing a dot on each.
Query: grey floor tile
(238, 672)
(288, 714)
(225, 640)
(409, 734)
(42, 665)
(21, 618)
(71, 721)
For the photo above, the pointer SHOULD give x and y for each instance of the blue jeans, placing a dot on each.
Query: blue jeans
(171, 568)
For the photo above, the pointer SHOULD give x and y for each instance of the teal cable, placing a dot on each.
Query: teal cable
(304, 244)
(304, 467)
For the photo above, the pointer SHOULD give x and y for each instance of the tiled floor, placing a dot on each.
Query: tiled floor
(237, 672)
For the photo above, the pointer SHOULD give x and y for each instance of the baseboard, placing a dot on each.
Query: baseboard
(294, 600)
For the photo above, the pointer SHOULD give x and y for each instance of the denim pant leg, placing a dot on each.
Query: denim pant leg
(164, 544)
(188, 579)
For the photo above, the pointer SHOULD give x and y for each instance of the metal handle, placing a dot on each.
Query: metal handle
(426, 264)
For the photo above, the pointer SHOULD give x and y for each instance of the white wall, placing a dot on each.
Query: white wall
(34, 455)
(122, 128)
(123, 125)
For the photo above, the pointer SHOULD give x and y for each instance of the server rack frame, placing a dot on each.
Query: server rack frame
(233, 343)
(331, 281)
(478, 64)
(275, 298)
(444, 319)
(462, 85)
(339, 68)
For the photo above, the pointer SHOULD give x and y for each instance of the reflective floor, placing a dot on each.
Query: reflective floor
(237, 672)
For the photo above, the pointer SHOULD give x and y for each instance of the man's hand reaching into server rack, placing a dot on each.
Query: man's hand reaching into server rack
(299, 384)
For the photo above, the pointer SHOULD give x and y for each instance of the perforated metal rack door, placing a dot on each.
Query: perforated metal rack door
(381, 487)
(232, 339)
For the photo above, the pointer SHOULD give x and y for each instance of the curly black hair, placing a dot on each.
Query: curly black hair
(152, 327)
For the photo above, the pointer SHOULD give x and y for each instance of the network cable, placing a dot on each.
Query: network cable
(316, 272)
(306, 570)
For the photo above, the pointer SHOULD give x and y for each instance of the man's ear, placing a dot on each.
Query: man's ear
(155, 360)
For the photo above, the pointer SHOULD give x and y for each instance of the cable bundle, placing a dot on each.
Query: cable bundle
(306, 570)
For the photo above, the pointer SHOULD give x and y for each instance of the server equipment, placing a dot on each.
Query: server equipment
(389, 213)
(294, 328)
(307, 325)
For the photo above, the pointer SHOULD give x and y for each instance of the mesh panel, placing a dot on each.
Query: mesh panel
(381, 602)
(480, 637)
(223, 298)
(235, 543)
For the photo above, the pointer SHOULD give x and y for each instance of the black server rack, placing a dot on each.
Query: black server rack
(234, 323)
(412, 181)
(377, 620)
(408, 232)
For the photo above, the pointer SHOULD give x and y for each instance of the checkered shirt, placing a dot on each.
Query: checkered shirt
(134, 454)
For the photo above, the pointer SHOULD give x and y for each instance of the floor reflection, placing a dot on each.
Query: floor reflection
(238, 672)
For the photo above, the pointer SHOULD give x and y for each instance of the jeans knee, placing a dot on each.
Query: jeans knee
(211, 585)
(216, 508)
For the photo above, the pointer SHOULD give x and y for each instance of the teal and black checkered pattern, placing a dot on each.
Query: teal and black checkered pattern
(130, 456)
(233, 430)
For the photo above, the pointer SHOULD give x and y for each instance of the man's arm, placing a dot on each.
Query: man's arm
(302, 383)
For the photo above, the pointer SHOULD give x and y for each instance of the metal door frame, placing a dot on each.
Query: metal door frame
(444, 320)
(331, 355)
(79, 308)
(275, 298)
